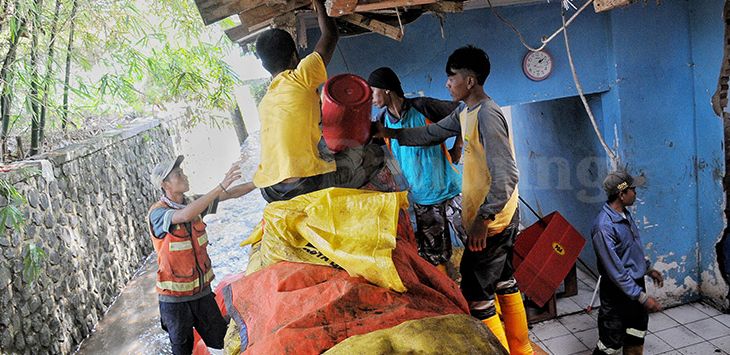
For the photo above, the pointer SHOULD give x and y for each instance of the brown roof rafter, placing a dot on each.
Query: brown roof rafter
(370, 15)
(337, 8)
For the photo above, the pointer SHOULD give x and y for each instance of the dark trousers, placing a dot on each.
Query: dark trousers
(432, 232)
(179, 319)
(482, 270)
(621, 320)
(355, 166)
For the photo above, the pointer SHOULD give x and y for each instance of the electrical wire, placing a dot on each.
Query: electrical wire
(611, 154)
(544, 41)
(615, 160)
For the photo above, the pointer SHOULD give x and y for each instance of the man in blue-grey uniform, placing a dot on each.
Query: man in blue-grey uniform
(625, 305)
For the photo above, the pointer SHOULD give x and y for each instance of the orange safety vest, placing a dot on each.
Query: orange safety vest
(183, 265)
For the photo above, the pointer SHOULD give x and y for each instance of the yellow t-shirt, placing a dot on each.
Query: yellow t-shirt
(290, 116)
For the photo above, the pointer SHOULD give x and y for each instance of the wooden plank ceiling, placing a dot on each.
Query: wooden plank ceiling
(385, 17)
(353, 16)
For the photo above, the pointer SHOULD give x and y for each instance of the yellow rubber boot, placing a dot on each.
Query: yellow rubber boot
(495, 325)
(442, 268)
(515, 323)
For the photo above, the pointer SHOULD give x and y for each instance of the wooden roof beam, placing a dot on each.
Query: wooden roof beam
(336, 8)
(389, 4)
(237, 33)
(374, 26)
(262, 16)
(291, 22)
(446, 7)
(213, 11)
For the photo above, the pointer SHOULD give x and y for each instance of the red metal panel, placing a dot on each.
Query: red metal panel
(544, 253)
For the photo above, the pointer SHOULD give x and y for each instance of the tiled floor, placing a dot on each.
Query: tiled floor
(688, 329)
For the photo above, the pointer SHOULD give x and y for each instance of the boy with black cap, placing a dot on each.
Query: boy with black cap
(294, 159)
(623, 317)
(433, 181)
(184, 270)
(489, 190)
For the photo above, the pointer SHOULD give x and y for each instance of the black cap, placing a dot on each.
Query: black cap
(619, 181)
(385, 78)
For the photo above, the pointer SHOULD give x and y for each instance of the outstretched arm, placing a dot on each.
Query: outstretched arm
(195, 208)
(425, 135)
(237, 191)
(328, 41)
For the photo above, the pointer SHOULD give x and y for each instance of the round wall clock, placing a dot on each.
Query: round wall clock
(537, 65)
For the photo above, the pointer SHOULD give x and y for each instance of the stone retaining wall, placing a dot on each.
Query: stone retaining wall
(86, 210)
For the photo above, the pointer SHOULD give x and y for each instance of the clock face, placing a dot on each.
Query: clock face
(537, 65)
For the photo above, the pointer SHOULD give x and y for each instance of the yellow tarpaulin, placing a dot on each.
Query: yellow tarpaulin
(457, 334)
(347, 228)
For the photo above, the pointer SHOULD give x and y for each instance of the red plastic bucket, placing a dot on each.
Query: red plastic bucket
(346, 108)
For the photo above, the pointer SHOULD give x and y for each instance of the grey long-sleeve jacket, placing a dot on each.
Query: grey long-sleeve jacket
(493, 135)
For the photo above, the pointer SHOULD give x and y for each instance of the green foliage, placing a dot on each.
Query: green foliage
(33, 262)
(10, 214)
(127, 55)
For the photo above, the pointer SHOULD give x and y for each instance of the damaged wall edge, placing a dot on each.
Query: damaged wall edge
(719, 106)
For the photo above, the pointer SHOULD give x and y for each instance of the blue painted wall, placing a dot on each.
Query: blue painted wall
(706, 37)
(654, 81)
(652, 69)
(561, 165)
(420, 58)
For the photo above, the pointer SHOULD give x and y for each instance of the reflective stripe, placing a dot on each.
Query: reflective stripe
(607, 350)
(203, 239)
(178, 246)
(636, 333)
(209, 275)
(481, 305)
(503, 285)
(178, 286)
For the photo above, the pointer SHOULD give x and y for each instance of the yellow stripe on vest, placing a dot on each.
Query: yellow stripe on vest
(203, 239)
(209, 275)
(178, 286)
(179, 246)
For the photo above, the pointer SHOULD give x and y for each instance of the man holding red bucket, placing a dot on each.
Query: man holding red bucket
(294, 158)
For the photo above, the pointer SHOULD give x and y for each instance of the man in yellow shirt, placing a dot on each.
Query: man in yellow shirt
(294, 158)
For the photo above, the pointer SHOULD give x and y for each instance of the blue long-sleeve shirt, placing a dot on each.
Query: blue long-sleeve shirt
(619, 250)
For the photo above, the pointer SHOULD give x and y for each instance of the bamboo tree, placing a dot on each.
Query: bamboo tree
(4, 7)
(17, 27)
(49, 69)
(67, 75)
(35, 102)
(144, 60)
(239, 125)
